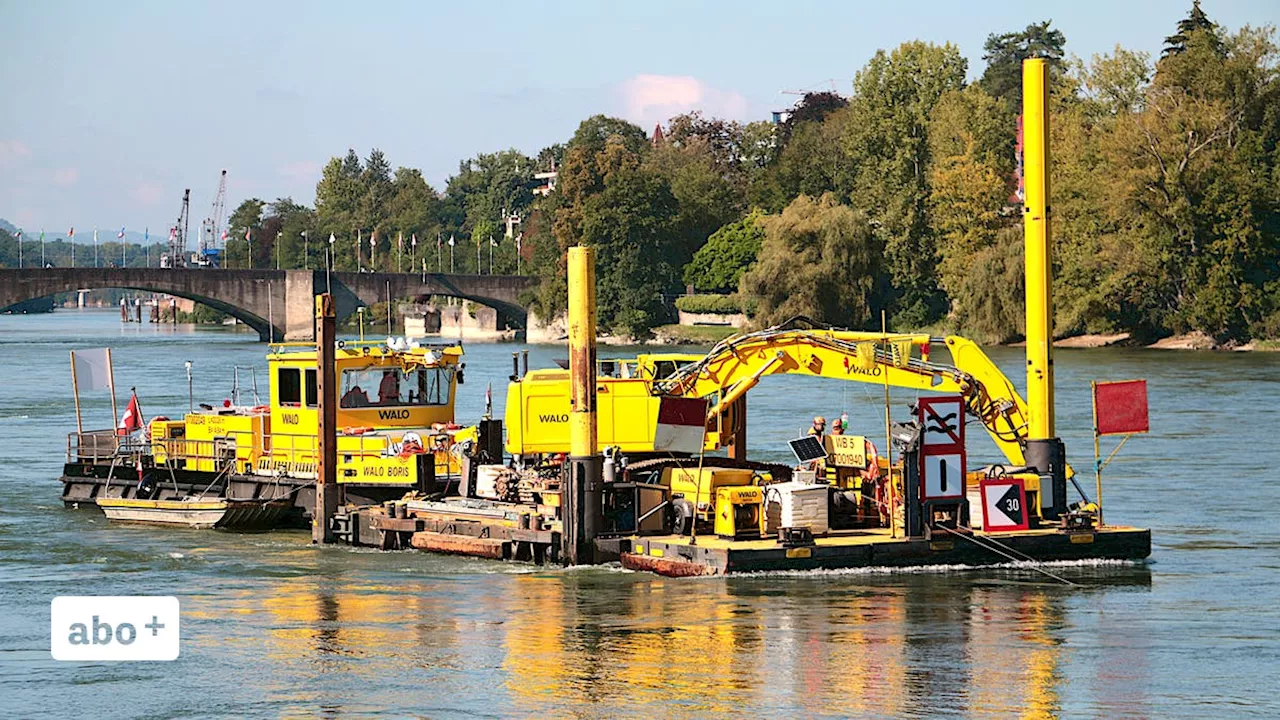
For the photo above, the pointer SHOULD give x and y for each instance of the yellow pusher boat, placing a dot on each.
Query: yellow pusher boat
(397, 434)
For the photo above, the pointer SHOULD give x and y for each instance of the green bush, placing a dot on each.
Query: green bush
(717, 304)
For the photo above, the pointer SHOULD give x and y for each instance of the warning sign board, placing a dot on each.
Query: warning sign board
(849, 451)
(1004, 505)
(942, 477)
(942, 420)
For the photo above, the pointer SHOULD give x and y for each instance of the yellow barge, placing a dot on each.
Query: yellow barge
(615, 460)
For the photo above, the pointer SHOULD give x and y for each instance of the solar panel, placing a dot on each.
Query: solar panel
(807, 448)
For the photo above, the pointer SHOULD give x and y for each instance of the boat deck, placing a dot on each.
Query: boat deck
(711, 555)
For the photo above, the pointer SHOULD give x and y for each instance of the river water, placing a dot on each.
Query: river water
(273, 626)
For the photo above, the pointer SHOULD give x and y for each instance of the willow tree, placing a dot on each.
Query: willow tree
(819, 258)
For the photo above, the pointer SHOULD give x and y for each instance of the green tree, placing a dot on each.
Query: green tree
(1195, 22)
(1005, 52)
(730, 251)
(819, 258)
(247, 218)
(338, 199)
(886, 139)
(969, 190)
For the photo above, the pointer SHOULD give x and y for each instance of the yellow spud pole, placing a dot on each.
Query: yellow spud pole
(1038, 248)
(583, 511)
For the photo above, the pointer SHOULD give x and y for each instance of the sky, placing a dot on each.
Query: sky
(111, 109)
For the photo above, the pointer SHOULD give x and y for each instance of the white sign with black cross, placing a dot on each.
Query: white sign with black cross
(943, 420)
(943, 476)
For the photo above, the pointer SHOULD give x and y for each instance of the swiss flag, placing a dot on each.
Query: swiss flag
(132, 420)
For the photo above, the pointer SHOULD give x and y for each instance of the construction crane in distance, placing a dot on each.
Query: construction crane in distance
(210, 254)
(178, 236)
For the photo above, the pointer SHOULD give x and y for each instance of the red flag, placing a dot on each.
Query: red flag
(1121, 407)
(132, 420)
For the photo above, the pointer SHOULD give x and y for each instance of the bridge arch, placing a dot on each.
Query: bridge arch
(19, 285)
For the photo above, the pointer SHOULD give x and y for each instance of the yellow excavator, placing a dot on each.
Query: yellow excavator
(630, 393)
(628, 401)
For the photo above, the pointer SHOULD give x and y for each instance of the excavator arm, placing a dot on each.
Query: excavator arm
(739, 363)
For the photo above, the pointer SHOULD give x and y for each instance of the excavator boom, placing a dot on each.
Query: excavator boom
(737, 364)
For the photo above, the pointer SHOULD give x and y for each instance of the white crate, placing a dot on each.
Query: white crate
(795, 504)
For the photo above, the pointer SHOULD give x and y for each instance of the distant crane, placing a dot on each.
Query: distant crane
(178, 235)
(211, 231)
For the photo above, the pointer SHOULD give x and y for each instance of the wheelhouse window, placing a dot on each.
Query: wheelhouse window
(393, 387)
(311, 388)
(289, 386)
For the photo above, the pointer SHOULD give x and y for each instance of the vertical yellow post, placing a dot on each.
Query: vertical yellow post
(1039, 256)
(582, 513)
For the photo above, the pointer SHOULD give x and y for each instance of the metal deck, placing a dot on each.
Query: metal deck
(710, 555)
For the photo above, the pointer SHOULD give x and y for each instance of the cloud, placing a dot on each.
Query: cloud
(300, 171)
(12, 152)
(651, 99)
(147, 193)
(67, 176)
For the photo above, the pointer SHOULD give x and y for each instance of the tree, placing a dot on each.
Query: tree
(1004, 54)
(1195, 21)
(812, 108)
(819, 258)
(630, 223)
(246, 218)
(718, 266)
(969, 189)
(812, 162)
(338, 198)
(886, 139)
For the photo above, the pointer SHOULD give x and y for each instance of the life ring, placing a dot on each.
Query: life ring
(260, 409)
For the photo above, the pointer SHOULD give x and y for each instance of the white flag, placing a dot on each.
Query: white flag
(92, 369)
(450, 241)
(332, 239)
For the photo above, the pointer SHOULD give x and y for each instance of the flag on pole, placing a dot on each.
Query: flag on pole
(224, 236)
(146, 234)
(413, 242)
(71, 233)
(41, 236)
(18, 236)
(400, 240)
(492, 242)
(373, 238)
(119, 235)
(450, 241)
(131, 421)
(173, 234)
(332, 239)
(518, 239)
(248, 234)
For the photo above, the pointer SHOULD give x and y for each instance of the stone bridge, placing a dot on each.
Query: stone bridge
(277, 303)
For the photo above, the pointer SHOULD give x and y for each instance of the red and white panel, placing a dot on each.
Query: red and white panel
(681, 424)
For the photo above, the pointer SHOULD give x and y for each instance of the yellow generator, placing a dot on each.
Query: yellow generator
(701, 485)
(740, 512)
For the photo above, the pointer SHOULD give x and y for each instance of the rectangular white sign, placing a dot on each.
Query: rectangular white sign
(119, 627)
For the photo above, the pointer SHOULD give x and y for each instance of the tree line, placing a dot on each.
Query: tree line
(899, 197)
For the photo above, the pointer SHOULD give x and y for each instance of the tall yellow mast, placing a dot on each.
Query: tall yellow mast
(582, 513)
(1038, 250)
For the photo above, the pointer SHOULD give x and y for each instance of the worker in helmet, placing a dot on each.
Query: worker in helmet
(837, 426)
(819, 428)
